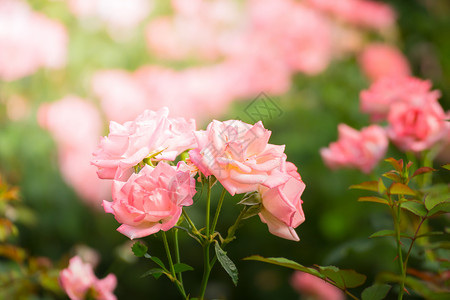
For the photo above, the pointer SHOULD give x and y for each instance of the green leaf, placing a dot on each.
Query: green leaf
(367, 185)
(343, 279)
(139, 249)
(415, 207)
(158, 262)
(156, 272)
(180, 267)
(284, 262)
(381, 186)
(385, 232)
(376, 292)
(226, 263)
(423, 170)
(373, 199)
(432, 200)
(397, 164)
(431, 233)
(443, 207)
(398, 188)
(446, 166)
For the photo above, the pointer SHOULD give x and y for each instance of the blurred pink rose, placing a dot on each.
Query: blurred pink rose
(381, 60)
(29, 41)
(356, 149)
(282, 205)
(300, 36)
(150, 134)
(200, 29)
(316, 288)
(239, 156)
(75, 125)
(377, 100)
(78, 280)
(74, 122)
(121, 96)
(150, 200)
(369, 14)
(417, 127)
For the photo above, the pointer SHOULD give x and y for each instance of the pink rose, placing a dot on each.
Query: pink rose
(282, 207)
(150, 134)
(79, 279)
(314, 287)
(356, 149)
(377, 100)
(150, 200)
(417, 127)
(238, 155)
(380, 60)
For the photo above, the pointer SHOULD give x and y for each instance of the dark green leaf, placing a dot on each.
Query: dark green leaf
(182, 268)
(139, 249)
(157, 272)
(415, 207)
(432, 200)
(373, 199)
(367, 185)
(376, 292)
(284, 262)
(226, 263)
(343, 279)
(398, 188)
(431, 233)
(158, 262)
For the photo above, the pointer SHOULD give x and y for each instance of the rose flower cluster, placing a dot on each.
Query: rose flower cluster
(414, 122)
(149, 189)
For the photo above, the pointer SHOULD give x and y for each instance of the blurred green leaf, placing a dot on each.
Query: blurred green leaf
(226, 263)
(139, 249)
(423, 170)
(284, 262)
(385, 232)
(373, 199)
(398, 188)
(415, 207)
(446, 166)
(367, 185)
(343, 279)
(443, 207)
(381, 186)
(397, 164)
(375, 292)
(393, 175)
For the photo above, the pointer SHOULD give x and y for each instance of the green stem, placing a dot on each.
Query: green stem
(206, 244)
(219, 207)
(206, 269)
(412, 243)
(172, 269)
(396, 217)
(177, 254)
(194, 229)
